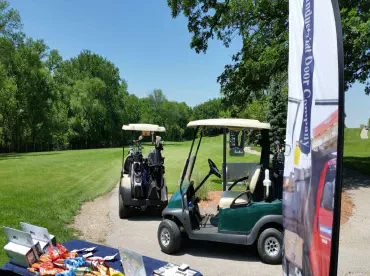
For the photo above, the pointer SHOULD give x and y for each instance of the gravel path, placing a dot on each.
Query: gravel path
(354, 246)
(98, 222)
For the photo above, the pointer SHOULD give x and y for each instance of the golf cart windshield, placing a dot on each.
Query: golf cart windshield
(234, 127)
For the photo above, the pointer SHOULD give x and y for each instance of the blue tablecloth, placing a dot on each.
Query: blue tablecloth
(101, 251)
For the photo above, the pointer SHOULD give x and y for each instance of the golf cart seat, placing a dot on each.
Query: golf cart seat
(228, 197)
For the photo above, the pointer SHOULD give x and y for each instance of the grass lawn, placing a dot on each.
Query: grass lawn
(48, 188)
(356, 151)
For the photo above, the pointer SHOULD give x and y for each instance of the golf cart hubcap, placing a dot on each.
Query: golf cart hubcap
(165, 237)
(272, 246)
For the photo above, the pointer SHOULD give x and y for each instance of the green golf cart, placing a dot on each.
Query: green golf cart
(252, 215)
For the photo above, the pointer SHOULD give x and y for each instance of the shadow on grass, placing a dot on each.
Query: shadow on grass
(41, 153)
(9, 156)
(217, 250)
(356, 172)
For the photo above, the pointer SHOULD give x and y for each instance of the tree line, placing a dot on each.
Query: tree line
(49, 103)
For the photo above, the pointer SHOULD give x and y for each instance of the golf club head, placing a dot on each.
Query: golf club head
(158, 140)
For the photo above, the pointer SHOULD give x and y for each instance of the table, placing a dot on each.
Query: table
(101, 251)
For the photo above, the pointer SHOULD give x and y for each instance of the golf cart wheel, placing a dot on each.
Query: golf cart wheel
(124, 211)
(169, 236)
(270, 246)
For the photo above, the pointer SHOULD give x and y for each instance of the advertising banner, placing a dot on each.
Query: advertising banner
(236, 143)
(314, 139)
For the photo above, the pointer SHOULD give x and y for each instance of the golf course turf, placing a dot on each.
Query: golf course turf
(48, 188)
(356, 151)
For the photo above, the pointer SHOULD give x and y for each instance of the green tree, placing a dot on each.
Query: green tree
(152, 108)
(208, 110)
(10, 21)
(23, 64)
(256, 110)
(277, 109)
(263, 27)
(157, 109)
(8, 107)
(93, 76)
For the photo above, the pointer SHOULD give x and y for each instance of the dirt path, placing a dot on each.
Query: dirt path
(98, 222)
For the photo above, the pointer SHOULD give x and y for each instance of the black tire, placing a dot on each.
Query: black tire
(124, 211)
(270, 246)
(169, 229)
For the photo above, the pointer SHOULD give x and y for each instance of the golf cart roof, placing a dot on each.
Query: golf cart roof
(229, 123)
(144, 127)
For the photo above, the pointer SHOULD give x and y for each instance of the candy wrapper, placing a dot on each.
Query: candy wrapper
(45, 258)
(70, 255)
(50, 272)
(80, 271)
(104, 271)
(92, 273)
(66, 273)
(75, 263)
(56, 252)
(113, 272)
(60, 263)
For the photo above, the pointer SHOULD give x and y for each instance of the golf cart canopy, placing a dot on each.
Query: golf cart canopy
(144, 127)
(233, 124)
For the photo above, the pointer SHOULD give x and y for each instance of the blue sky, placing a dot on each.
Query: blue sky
(150, 48)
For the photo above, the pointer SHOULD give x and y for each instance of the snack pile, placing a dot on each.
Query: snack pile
(58, 261)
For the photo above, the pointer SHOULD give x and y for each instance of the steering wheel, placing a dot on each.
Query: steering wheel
(213, 168)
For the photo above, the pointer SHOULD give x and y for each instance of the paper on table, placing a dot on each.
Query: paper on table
(132, 263)
(90, 249)
(173, 270)
(77, 250)
(87, 255)
(106, 258)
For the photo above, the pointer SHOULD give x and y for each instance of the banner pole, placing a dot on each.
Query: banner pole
(339, 172)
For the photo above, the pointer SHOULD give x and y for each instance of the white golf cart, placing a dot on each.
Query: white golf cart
(142, 182)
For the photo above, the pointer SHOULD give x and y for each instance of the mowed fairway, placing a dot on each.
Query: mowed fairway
(47, 188)
(211, 147)
(356, 151)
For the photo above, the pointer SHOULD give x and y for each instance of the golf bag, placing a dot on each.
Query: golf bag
(137, 179)
(134, 167)
(155, 169)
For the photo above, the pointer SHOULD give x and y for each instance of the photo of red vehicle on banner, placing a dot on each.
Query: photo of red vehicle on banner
(314, 140)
